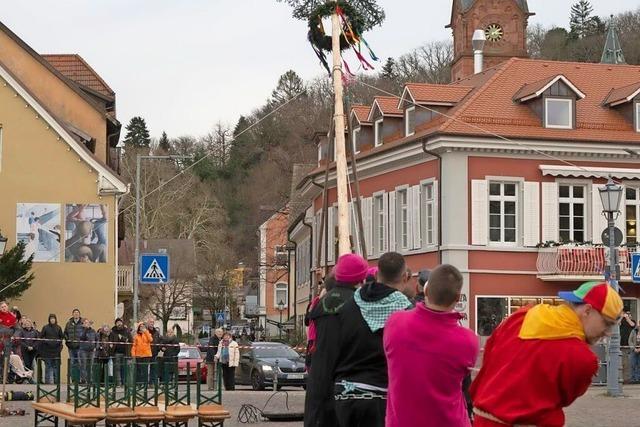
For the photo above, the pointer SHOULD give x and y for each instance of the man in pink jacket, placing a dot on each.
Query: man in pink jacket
(428, 356)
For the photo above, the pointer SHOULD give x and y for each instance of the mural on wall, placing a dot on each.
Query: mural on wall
(86, 236)
(38, 226)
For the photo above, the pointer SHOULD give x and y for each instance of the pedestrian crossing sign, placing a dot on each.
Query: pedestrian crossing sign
(635, 267)
(154, 268)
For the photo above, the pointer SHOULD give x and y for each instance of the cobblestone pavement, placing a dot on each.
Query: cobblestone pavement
(592, 410)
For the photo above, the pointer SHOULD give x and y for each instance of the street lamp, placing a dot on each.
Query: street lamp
(610, 195)
(280, 309)
(136, 262)
(3, 244)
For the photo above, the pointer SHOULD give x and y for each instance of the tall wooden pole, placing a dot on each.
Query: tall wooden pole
(344, 245)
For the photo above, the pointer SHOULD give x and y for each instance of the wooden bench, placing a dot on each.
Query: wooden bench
(179, 415)
(212, 414)
(118, 415)
(149, 415)
(65, 411)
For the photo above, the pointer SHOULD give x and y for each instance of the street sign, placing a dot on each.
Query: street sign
(154, 268)
(635, 267)
(219, 317)
(617, 236)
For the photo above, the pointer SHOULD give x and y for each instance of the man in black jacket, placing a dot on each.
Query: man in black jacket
(319, 409)
(50, 349)
(120, 334)
(72, 334)
(212, 349)
(357, 374)
(155, 349)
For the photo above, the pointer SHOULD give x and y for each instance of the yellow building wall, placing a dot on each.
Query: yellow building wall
(37, 167)
(55, 94)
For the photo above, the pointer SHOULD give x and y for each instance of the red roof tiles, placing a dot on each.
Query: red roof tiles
(491, 110)
(75, 68)
(361, 112)
(426, 93)
(388, 105)
(623, 94)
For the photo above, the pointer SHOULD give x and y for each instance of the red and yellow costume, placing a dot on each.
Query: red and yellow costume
(535, 363)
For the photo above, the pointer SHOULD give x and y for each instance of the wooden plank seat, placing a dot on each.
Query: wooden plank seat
(81, 416)
(149, 414)
(120, 415)
(213, 412)
(176, 413)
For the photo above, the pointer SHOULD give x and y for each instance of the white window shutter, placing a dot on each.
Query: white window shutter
(550, 226)
(479, 212)
(385, 212)
(436, 211)
(621, 221)
(599, 222)
(331, 232)
(409, 191)
(531, 214)
(392, 221)
(367, 210)
(416, 215)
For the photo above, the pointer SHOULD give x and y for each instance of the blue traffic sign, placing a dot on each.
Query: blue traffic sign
(154, 268)
(635, 267)
(219, 316)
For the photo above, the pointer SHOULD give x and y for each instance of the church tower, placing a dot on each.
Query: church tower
(505, 25)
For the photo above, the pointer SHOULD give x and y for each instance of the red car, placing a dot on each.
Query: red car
(191, 355)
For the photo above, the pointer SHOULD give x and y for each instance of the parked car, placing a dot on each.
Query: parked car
(264, 361)
(191, 355)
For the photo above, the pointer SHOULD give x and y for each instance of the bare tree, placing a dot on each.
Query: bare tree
(429, 63)
(535, 40)
(162, 300)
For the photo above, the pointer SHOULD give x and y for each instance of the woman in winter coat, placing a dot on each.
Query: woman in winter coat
(170, 349)
(141, 352)
(50, 349)
(228, 356)
(28, 345)
(88, 338)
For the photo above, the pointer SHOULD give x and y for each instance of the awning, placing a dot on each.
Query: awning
(589, 172)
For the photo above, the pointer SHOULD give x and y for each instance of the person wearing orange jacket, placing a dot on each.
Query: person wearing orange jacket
(141, 352)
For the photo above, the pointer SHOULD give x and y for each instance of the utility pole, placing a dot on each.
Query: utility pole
(344, 245)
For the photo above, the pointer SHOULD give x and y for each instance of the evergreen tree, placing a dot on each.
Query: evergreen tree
(14, 268)
(582, 24)
(289, 85)
(137, 133)
(163, 143)
(389, 70)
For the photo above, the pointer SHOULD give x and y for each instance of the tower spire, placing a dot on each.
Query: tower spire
(612, 53)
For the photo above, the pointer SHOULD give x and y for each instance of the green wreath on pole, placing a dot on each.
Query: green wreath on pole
(321, 40)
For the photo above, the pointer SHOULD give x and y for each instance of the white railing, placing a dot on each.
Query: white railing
(125, 278)
(571, 260)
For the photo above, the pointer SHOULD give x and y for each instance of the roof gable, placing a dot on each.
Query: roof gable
(387, 105)
(622, 95)
(108, 181)
(361, 113)
(534, 90)
(434, 94)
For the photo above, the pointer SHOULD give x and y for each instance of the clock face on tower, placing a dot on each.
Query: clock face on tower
(494, 32)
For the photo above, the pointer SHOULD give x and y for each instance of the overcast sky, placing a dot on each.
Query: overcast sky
(183, 65)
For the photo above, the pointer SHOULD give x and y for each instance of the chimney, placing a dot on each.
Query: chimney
(478, 45)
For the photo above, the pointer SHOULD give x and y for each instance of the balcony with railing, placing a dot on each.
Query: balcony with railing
(125, 279)
(588, 262)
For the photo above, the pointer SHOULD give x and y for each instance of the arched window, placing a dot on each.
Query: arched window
(281, 294)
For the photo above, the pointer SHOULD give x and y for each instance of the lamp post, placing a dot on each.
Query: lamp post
(136, 261)
(280, 309)
(3, 244)
(610, 195)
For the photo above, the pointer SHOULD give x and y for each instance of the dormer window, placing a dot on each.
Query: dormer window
(377, 131)
(637, 116)
(558, 113)
(410, 121)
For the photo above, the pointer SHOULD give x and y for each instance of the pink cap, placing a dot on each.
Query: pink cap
(351, 268)
(372, 271)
